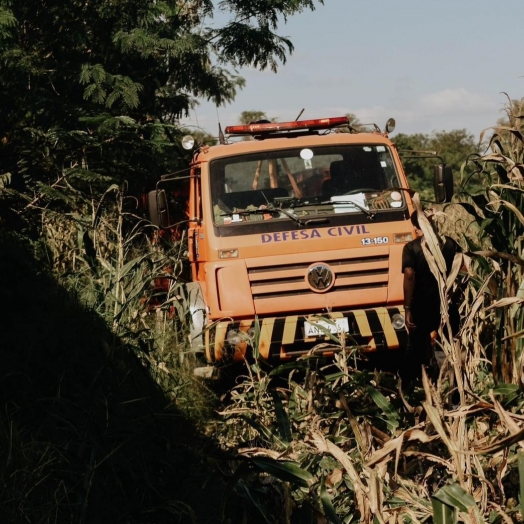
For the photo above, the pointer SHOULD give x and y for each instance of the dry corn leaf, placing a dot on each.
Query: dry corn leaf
(326, 446)
(433, 458)
(334, 478)
(393, 445)
(417, 434)
(502, 444)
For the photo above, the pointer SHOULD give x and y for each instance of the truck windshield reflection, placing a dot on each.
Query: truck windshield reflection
(273, 185)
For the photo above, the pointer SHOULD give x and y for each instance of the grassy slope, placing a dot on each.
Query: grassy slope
(85, 435)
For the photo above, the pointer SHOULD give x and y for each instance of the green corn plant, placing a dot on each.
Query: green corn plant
(5, 180)
(365, 450)
(118, 264)
(284, 414)
(448, 501)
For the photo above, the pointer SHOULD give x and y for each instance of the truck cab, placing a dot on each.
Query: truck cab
(295, 236)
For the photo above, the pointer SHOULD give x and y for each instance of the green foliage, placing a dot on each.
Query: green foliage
(246, 117)
(5, 180)
(521, 481)
(320, 440)
(455, 147)
(99, 88)
(7, 21)
(202, 137)
(447, 501)
(249, 38)
(354, 124)
(106, 89)
(283, 416)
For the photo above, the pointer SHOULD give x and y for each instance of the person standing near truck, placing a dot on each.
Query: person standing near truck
(422, 299)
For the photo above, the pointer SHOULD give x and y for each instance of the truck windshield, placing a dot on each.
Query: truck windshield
(330, 180)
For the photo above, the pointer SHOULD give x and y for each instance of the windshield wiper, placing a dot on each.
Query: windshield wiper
(295, 203)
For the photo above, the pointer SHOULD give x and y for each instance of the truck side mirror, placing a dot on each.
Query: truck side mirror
(443, 183)
(158, 208)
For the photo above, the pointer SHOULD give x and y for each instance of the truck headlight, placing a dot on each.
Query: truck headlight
(227, 253)
(398, 321)
(402, 237)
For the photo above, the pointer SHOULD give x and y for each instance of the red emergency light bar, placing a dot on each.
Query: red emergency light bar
(257, 129)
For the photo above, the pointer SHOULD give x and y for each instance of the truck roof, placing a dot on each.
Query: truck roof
(242, 147)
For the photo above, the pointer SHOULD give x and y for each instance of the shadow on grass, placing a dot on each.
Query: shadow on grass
(85, 434)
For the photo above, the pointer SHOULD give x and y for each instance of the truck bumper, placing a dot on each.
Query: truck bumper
(283, 338)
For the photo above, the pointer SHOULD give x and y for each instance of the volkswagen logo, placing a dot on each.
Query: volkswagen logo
(320, 277)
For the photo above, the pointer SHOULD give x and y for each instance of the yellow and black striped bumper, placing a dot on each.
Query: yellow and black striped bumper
(282, 338)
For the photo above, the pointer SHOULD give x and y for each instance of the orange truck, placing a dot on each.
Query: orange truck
(296, 231)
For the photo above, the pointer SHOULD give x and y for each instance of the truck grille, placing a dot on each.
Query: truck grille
(351, 273)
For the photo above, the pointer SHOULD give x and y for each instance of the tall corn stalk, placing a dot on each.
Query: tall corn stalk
(498, 248)
(119, 265)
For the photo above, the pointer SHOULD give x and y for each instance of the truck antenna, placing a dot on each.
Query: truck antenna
(300, 114)
(221, 137)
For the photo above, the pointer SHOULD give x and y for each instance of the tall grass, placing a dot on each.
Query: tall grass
(100, 411)
(85, 434)
(122, 267)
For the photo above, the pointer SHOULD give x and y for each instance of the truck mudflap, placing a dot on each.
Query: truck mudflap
(283, 338)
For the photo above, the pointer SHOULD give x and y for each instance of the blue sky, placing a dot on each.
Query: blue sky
(431, 65)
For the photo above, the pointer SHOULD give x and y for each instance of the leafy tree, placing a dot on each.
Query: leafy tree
(406, 145)
(354, 123)
(453, 147)
(92, 92)
(96, 88)
(246, 117)
(201, 136)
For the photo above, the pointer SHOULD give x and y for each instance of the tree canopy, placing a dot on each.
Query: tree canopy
(99, 86)
(453, 147)
(246, 117)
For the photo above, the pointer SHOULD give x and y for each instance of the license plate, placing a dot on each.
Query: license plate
(320, 328)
